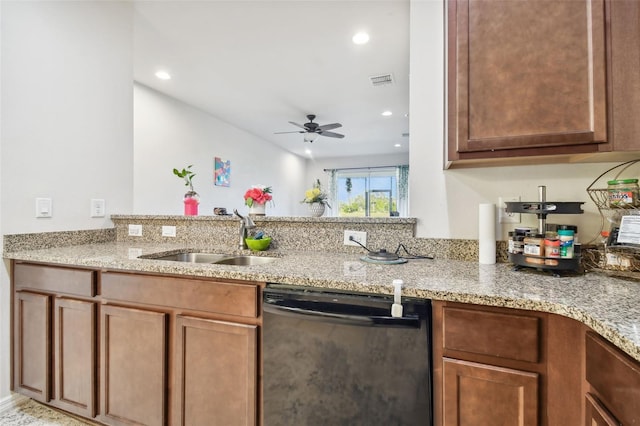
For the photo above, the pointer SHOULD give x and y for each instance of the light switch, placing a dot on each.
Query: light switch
(97, 207)
(43, 207)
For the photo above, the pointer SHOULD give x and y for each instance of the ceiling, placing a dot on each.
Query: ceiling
(260, 64)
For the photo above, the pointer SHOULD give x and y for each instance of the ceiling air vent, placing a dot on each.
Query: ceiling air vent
(381, 80)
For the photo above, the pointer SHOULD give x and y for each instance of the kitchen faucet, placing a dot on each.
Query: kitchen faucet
(245, 224)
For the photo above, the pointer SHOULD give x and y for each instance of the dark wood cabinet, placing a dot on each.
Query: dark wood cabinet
(216, 373)
(55, 336)
(75, 355)
(625, 74)
(526, 77)
(480, 394)
(506, 366)
(32, 345)
(614, 383)
(133, 366)
(596, 414)
(182, 351)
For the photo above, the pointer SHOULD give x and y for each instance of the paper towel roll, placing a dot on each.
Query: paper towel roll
(487, 234)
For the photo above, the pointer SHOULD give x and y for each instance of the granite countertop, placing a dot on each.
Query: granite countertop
(610, 306)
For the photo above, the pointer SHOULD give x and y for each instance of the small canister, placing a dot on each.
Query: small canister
(566, 243)
(623, 193)
(551, 247)
(518, 244)
(534, 245)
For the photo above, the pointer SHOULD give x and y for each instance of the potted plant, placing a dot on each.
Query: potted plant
(256, 197)
(191, 198)
(317, 199)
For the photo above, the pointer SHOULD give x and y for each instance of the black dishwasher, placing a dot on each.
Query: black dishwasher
(342, 359)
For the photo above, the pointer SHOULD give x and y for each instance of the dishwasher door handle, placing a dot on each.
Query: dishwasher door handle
(358, 320)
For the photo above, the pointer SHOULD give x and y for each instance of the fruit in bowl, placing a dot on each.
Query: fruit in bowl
(258, 244)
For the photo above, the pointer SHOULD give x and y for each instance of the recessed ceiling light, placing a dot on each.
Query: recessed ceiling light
(163, 75)
(361, 38)
(397, 145)
(307, 151)
(387, 113)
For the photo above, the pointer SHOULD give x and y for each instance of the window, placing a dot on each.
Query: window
(371, 192)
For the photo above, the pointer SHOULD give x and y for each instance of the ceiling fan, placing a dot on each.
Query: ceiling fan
(313, 130)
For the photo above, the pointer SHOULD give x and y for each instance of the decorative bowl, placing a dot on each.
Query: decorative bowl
(258, 245)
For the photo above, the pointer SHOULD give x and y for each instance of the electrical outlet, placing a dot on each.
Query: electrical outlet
(359, 236)
(97, 207)
(168, 231)
(503, 216)
(135, 230)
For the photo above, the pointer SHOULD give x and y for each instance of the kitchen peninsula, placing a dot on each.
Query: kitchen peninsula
(593, 310)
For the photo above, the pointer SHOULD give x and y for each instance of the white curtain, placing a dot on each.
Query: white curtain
(402, 177)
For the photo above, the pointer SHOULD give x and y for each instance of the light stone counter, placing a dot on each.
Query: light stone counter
(608, 305)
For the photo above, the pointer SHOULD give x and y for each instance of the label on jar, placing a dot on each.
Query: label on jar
(618, 198)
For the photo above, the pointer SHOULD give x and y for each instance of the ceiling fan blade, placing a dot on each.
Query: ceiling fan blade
(331, 134)
(330, 126)
(281, 133)
(298, 125)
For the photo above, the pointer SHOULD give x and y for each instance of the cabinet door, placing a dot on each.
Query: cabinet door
(480, 394)
(625, 74)
(216, 373)
(32, 345)
(527, 74)
(133, 366)
(597, 415)
(75, 356)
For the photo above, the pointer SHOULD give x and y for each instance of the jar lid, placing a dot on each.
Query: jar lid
(565, 232)
(568, 228)
(623, 181)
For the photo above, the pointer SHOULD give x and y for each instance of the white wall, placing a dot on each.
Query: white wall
(67, 121)
(170, 133)
(446, 201)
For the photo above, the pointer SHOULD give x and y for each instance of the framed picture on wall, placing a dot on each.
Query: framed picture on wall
(222, 172)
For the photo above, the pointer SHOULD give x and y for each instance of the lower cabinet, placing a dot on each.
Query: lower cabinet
(134, 366)
(178, 351)
(32, 345)
(54, 349)
(499, 366)
(596, 414)
(75, 356)
(215, 372)
(613, 394)
(144, 350)
(480, 394)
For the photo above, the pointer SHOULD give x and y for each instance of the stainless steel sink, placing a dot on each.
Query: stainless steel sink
(214, 258)
(245, 260)
(191, 257)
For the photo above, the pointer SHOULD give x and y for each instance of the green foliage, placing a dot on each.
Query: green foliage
(378, 205)
(187, 175)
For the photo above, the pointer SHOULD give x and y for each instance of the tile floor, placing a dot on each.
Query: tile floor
(32, 413)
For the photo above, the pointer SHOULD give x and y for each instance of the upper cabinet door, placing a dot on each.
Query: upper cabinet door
(525, 76)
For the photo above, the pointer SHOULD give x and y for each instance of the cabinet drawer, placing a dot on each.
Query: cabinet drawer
(55, 280)
(615, 377)
(200, 295)
(501, 335)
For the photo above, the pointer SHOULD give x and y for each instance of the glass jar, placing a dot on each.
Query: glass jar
(551, 247)
(566, 243)
(623, 193)
(534, 245)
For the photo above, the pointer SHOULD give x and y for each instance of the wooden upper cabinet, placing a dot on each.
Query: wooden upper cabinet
(625, 74)
(526, 77)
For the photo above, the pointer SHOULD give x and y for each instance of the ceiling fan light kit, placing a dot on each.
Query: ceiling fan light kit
(312, 130)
